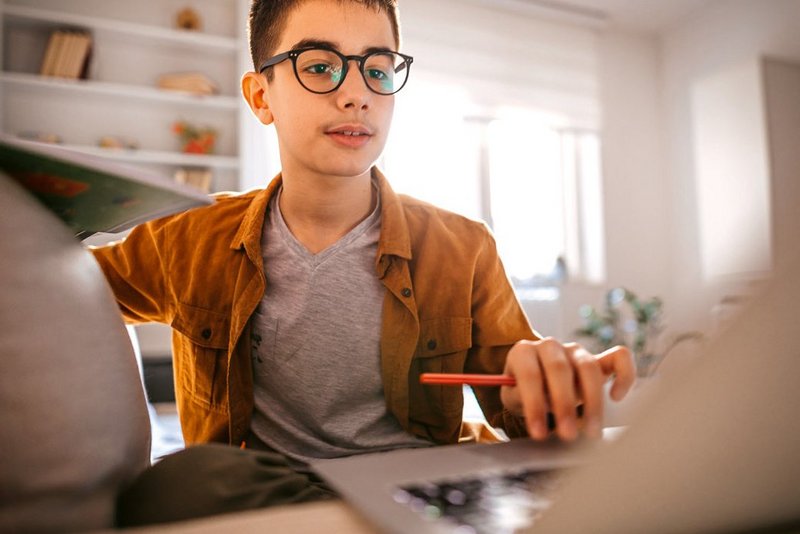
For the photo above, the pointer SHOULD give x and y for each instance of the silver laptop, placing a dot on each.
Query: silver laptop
(717, 450)
(492, 488)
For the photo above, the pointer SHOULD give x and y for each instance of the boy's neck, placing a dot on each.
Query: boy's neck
(321, 210)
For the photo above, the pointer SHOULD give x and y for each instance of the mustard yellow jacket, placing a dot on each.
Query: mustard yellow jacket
(448, 308)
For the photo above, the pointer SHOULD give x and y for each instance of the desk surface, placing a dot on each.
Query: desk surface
(334, 517)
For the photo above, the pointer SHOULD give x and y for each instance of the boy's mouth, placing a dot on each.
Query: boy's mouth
(349, 132)
(349, 135)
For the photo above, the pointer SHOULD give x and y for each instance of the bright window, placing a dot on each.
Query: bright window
(537, 185)
(526, 196)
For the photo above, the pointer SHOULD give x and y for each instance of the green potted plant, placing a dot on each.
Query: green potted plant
(632, 322)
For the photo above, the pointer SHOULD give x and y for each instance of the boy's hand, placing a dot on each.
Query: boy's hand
(556, 378)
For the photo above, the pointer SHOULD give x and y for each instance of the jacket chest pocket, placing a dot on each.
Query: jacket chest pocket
(442, 348)
(201, 359)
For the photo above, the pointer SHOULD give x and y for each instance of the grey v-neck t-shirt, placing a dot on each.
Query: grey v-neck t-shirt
(316, 347)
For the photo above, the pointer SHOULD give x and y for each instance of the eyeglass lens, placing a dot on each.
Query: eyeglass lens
(321, 71)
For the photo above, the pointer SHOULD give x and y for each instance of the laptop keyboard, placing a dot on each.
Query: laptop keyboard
(495, 503)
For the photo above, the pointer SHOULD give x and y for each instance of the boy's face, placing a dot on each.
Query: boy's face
(310, 126)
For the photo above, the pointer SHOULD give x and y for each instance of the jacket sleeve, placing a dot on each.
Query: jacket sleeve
(135, 271)
(498, 322)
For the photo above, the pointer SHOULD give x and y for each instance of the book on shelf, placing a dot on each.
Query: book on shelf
(197, 177)
(67, 54)
(49, 60)
(91, 194)
(189, 82)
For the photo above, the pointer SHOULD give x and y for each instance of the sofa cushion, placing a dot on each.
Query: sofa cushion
(74, 426)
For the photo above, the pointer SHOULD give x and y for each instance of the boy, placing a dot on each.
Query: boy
(303, 314)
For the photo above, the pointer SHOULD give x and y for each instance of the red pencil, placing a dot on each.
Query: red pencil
(457, 379)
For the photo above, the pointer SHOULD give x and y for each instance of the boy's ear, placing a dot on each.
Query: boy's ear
(254, 90)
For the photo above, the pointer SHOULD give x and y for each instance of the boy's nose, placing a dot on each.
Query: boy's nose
(354, 90)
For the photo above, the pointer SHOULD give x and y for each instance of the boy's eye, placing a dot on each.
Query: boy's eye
(318, 68)
(380, 80)
(377, 74)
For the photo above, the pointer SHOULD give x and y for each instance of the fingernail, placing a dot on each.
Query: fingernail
(537, 430)
(618, 392)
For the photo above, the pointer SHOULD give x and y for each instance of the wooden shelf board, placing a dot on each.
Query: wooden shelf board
(118, 90)
(65, 19)
(159, 157)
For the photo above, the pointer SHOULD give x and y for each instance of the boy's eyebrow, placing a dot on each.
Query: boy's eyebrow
(314, 43)
(319, 43)
(372, 49)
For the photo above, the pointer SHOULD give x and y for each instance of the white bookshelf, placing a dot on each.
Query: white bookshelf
(159, 157)
(133, 44)
(35, 82)
(20, 14)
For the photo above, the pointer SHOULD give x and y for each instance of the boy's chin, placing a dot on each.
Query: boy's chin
(347, 169)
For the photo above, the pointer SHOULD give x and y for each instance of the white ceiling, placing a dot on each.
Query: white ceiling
(643, 15)
(647, 16)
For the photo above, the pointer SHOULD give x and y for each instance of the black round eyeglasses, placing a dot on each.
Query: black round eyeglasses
(323, 70)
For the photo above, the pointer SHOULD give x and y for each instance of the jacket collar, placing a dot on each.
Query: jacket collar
(394, 239)
(249, 233)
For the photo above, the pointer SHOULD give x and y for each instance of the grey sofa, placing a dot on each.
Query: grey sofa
(74, 427)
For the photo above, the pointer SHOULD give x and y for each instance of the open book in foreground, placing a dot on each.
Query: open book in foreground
(91, 194)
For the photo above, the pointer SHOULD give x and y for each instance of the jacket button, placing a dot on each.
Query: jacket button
(206, 333)
(406, 292)
(431, 344)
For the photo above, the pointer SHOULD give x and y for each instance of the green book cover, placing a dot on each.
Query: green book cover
(91, 194)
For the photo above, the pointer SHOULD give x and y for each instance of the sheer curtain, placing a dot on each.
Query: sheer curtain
(505, 59)
(495, 123)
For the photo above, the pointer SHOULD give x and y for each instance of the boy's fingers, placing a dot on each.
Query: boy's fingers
(528, 395)
(590, 380)
(559, 376)
(618, 361)
(555, 376)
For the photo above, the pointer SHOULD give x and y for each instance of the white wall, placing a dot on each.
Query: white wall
(633, 163)
(731, 172)
(726, 33)
(782, 95)
(635, 184)
(651, 160)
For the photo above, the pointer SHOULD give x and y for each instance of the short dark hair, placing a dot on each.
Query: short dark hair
(268, 20)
